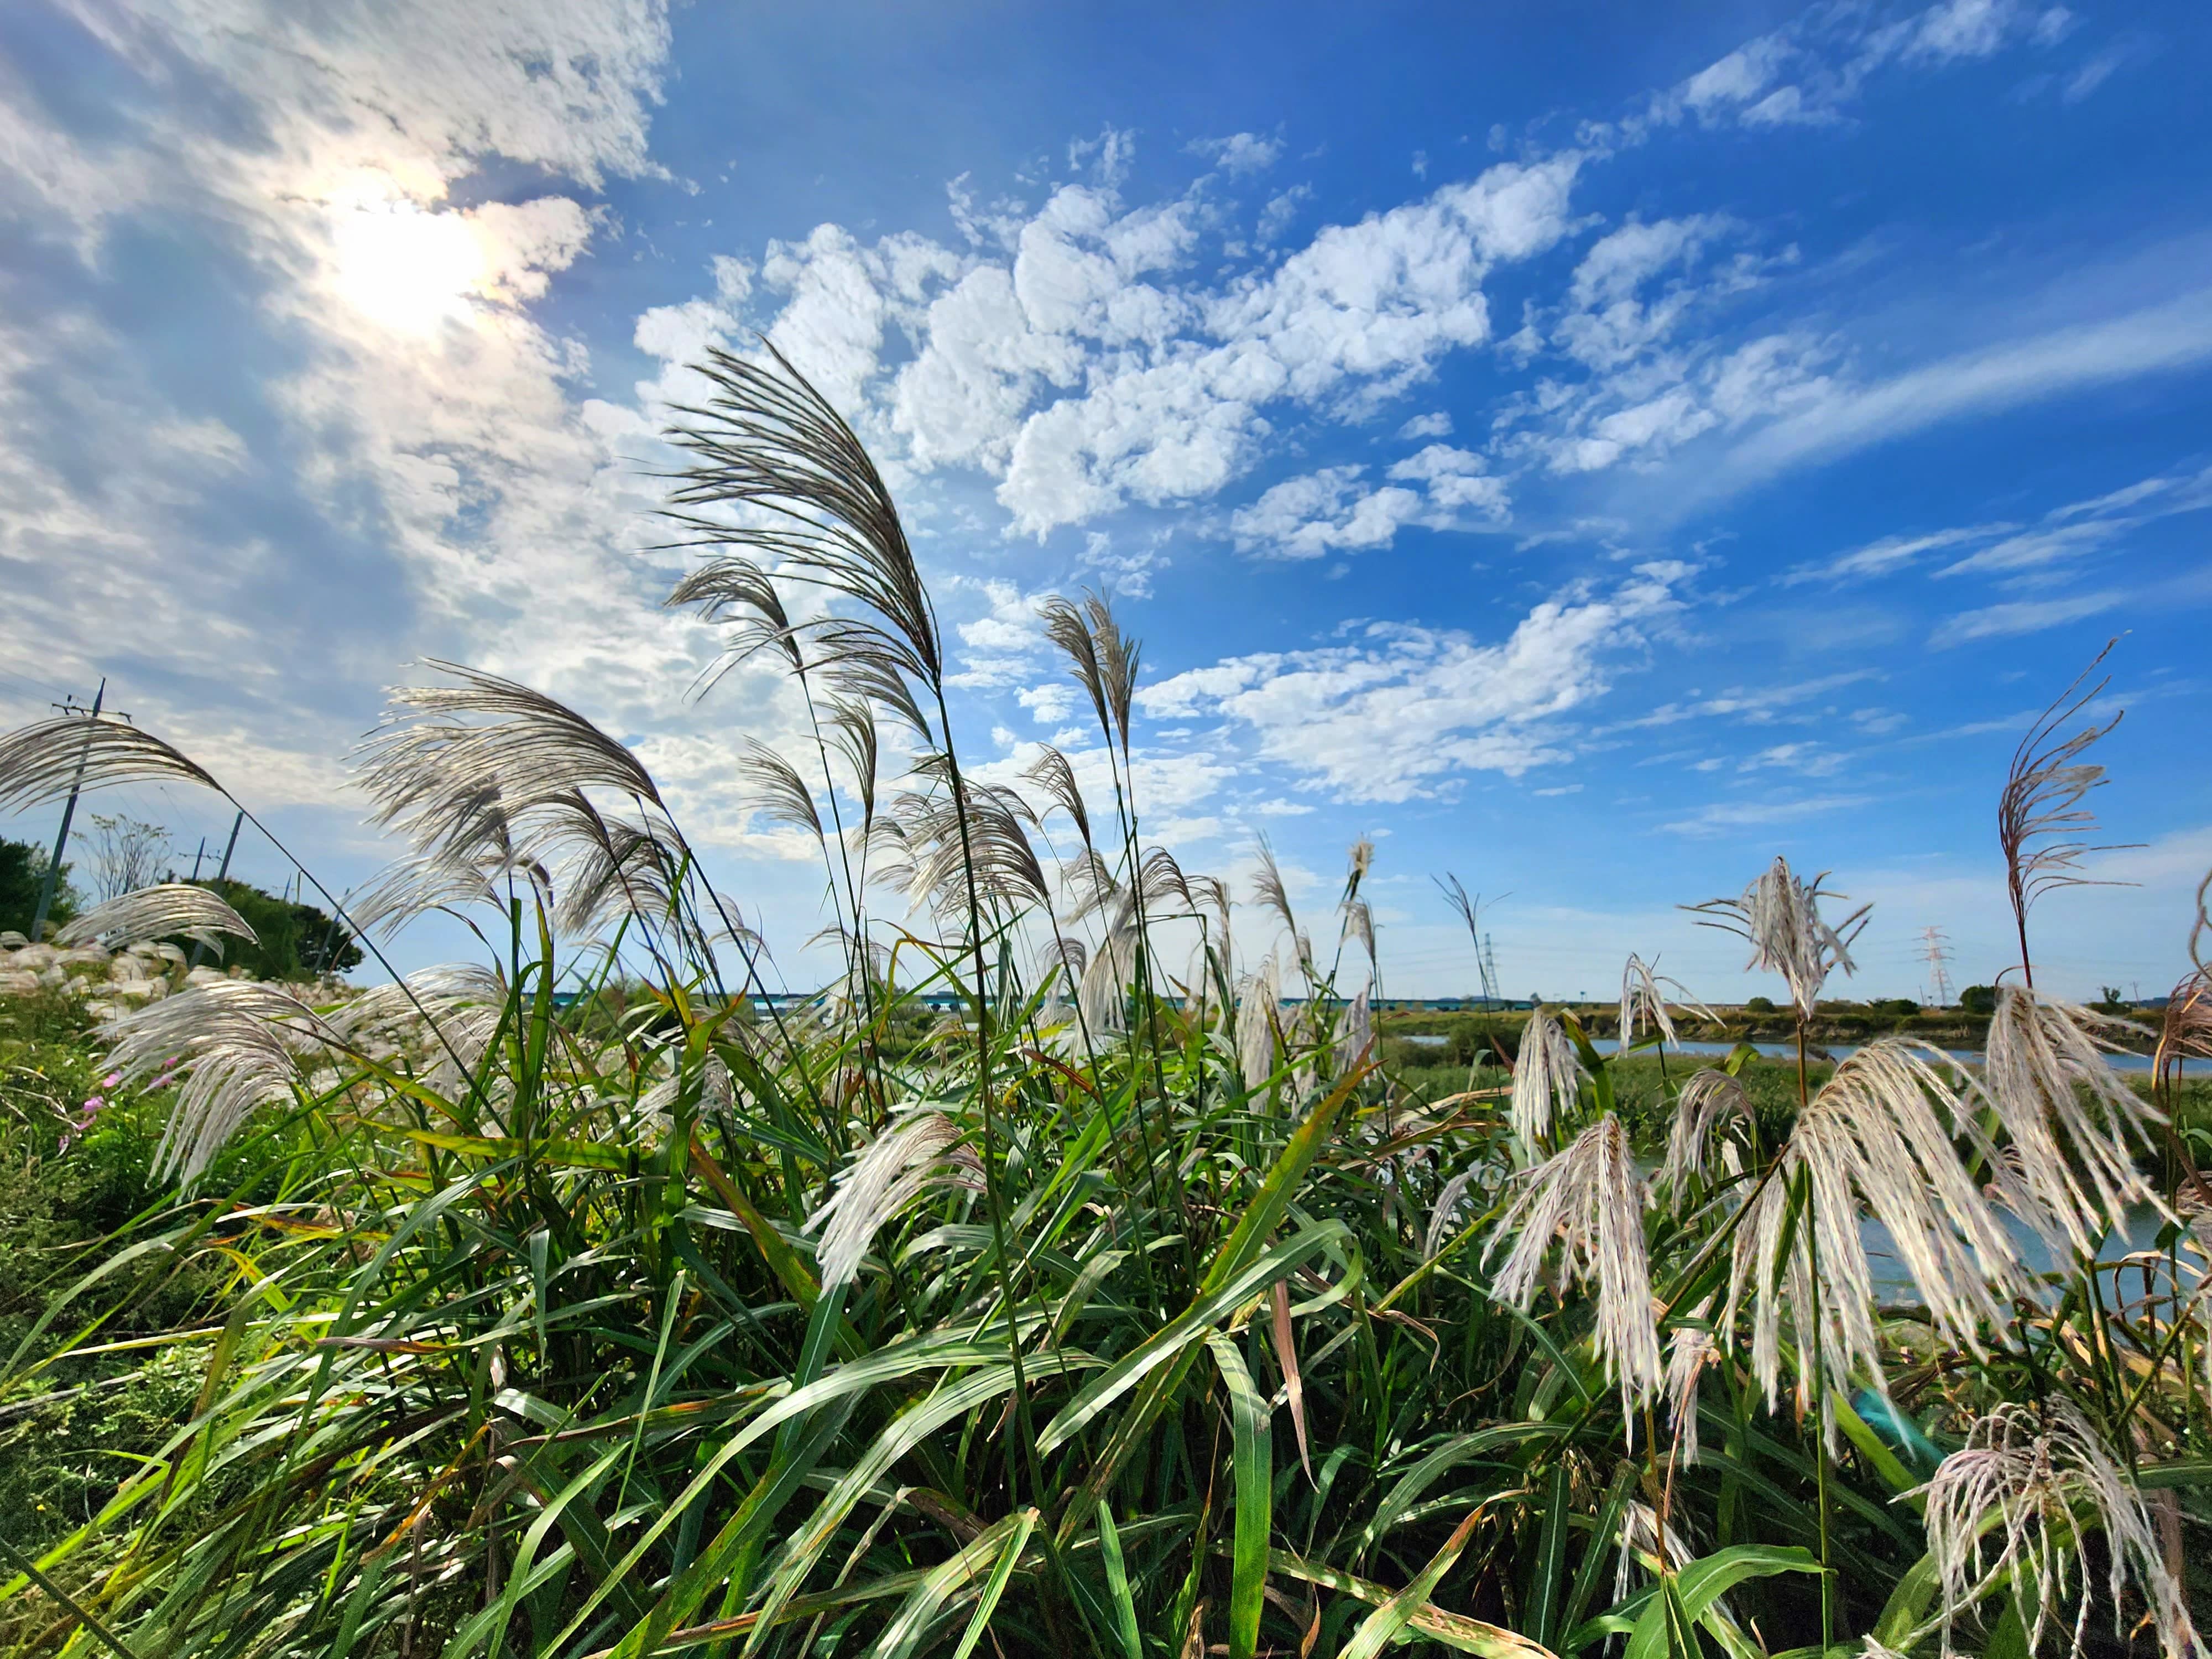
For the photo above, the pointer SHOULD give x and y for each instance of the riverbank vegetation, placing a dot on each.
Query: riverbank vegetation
(1139, 1304)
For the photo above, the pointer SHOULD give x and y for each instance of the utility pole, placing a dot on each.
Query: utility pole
(197, 856)
(1936, 952)
(199, 947)
(69, 813)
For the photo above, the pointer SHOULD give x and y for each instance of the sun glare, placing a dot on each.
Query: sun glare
(406, 268)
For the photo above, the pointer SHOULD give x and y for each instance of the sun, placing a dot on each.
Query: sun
(409, 269)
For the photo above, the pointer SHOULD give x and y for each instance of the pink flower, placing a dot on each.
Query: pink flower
(111, 1079)
(93, 1104)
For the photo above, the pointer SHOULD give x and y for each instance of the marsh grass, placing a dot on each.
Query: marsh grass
(567, 1303)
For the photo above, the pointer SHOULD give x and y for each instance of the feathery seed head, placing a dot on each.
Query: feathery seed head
(152, 913)
(1779, 916)
(922, 1152)
(2015, 1504)
(1590, 1198)
(1547, 1073)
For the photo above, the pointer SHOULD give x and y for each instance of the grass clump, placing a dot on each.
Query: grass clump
(579, 1302)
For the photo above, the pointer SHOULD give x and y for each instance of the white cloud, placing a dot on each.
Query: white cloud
(1275, 218)
(1239, 153)
(1317, 513)
(1839, 418)
(1399, 715)
(1436, 425)
(2022, 616)
(1880, 558)
(1723, 817)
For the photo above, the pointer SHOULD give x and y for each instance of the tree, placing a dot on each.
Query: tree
(127, 853)
(1759, 1005)
(22, 867)
(1979, 999)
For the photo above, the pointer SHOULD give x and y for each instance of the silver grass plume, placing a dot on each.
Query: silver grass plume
(1267, 887)
(1590, 1198)
(1359, 924)
(447, 752)
(852, 734)
(2015, 1503)
(923, 1152)
(2069, 1117)
(1066, 626)
(1689, 1351)
(1091, 885)
(1102, 993)
(2040, 815)
(1707, 1106)
(767, 441)
(776, 790)
(1061, 964)
(1878, 1135)
(150, 912)
(715, 1088)
(739, 595)
(1051, 772)
(1644, 1000)
(1004, 864)
(1160, 878)
(1444, 1212)
(1356, 1042)
(1117, 662)
(1547, 1072)
(453, 1010)
(44, 761)
(1255, 1025)
(241, 1044)
(1779, 916)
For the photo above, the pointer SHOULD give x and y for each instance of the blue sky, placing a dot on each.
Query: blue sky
(1593, 448)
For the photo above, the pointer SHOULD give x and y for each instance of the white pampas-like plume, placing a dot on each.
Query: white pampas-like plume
(1688, 1353)
(2019, 1495)
(45, 761)
(1256, 1025)
(1546, 1072)
(1779, 916)
(922, 1152)
(2070, 1173)
(1356, 1042)
(1445, 1213)
(155, 913)
(241, 1045)
(1644, 1001)
(1708, 1102)
(1591, 1199)
(715, 1089)
(1878, 1133)
(1102, 995)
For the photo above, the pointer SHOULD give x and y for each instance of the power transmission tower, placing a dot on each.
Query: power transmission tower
(1490, 980)
(68, 812)
(1936, 952)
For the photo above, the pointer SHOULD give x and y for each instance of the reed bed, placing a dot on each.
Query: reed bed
(1128, 1308)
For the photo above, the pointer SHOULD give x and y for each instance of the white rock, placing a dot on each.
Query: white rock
(50, 976)
(12, 940)
(99, 1010)
(128, 969)
(206, 976)
(169, 952)
(87, 956)
(14, 982)
(36, 957)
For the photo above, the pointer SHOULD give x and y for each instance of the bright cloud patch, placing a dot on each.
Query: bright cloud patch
(1398, 714)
